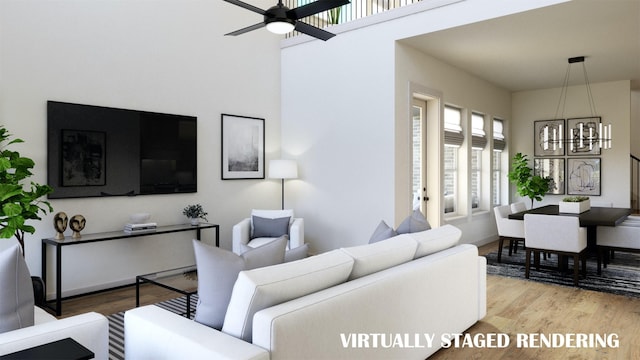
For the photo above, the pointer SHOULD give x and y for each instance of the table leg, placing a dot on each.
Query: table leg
(188, 305)
(58, 280)
(137, 291)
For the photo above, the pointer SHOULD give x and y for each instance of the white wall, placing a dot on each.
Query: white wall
(164, 56)
(613, 104)
(341, 107)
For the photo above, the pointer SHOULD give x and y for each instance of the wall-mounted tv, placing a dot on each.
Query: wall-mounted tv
(103, 151)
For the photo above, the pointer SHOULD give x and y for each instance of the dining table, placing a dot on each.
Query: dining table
(590, 219)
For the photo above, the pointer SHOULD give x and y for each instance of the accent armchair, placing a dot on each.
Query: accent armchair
(557, 234)
(265, 226)
(509, 229)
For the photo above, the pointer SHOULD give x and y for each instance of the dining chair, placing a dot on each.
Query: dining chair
(556, 234)
(518, 207)
(508, 229)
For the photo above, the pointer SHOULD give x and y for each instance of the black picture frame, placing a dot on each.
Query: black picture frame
(584, 176)
(538, 137)
(591, 127)
(242, 147)
(83, 156)
(554, 168)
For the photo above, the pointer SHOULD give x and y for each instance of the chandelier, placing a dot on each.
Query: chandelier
(586, 134)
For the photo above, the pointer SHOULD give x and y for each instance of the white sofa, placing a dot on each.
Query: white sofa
(89, 329)
(420, 284)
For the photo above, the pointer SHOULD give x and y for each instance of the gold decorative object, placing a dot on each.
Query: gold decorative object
(60, 221)
(76, 224)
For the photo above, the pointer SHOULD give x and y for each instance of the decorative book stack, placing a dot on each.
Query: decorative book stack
(140, 228)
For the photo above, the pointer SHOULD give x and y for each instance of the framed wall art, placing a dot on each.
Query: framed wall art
(242, 147)
(546, 137)
(553, 168)
(583, 135)
(83, 158)
(583, 176)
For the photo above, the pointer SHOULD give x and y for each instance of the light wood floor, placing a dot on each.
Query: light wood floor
(514, 306)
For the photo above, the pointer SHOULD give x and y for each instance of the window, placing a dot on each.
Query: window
(498, 147)
(478, 143)
(453, 138)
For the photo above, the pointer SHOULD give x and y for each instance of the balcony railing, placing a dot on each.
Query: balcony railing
(355, 10)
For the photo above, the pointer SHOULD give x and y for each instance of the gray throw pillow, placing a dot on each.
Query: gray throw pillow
(16, 294)
(414, 223)
(217, 273)
(264, 227)
(382, 232)
(298, 253)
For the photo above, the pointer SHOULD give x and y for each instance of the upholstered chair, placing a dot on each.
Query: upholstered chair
(624, 237)
(556, 234)
(508, 229)
(265, 226)
(518, 207)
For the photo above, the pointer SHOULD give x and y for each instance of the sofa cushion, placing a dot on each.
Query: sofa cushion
(414, 223)
(380, 255)
(262, 288)
(382, 232)
(297, 253)
(16, 296)
(218, 270)
(270, 228)
(437, 239)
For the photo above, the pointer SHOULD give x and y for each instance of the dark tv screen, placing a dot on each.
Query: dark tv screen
(103, 151)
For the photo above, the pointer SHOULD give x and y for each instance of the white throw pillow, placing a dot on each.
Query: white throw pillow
(218, 270)
(380, 255)
(437, 239)
(16, 291)
(262, 288)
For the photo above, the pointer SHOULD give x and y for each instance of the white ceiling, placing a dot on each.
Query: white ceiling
(530, 50)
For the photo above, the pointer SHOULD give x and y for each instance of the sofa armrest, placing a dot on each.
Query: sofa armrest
(482, 287)
(154, 333)
(89, 329)
(296, 233)
(241, 234)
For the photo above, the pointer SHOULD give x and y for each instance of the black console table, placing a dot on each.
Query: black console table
(105, 236)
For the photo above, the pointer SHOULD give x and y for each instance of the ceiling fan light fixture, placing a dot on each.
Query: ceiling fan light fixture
(280, 26)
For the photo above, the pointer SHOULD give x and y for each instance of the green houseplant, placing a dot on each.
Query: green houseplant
(527, 184)
(19, 200)
(195, 212)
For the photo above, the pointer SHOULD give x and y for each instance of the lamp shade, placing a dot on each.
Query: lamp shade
(283, 169)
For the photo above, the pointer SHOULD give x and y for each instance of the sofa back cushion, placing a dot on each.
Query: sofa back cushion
(381, 255)
(258, 289)
(437, 239)
(16, 294)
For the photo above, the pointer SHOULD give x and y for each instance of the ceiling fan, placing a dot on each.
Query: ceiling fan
(280, 19)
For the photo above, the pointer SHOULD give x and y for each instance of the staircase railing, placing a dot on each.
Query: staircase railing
(355, 10)
(635, 184)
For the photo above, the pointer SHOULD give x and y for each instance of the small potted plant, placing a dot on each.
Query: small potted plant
(194, 213)
(574, 204)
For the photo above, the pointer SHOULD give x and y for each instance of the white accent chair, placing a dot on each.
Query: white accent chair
(557, 234)
(518, 207)
(243, 232)
(508, 229)
(624, 237)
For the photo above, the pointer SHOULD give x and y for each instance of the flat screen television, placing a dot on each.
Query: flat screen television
(103, 151)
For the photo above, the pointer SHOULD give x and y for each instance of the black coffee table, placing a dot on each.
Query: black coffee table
(67, 349)
(183, 280)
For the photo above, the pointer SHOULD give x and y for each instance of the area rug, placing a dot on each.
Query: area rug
(621, 276)
(116, 323)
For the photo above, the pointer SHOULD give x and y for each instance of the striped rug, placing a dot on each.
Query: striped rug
(116, 323)
(621, 276)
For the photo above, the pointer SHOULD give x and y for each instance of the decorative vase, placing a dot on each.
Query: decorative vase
(60, 221)
(574, 207)
(194, 221)
(76, 224)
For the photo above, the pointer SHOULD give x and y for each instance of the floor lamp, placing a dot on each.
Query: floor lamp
(283, 169)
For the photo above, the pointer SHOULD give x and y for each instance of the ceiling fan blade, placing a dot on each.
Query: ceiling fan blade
(246, 6)
(247, 29)
(313, 31)
(314, 8)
